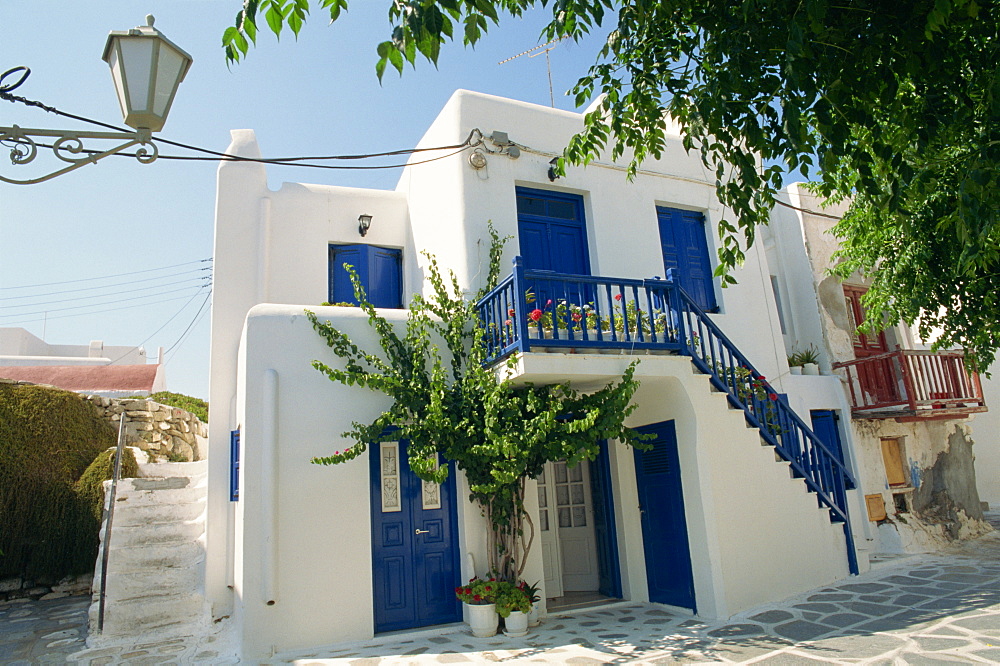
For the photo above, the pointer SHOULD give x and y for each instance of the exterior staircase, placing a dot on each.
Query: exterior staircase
(156, 563)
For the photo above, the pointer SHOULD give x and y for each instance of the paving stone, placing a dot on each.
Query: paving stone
(800, 630)
(981, 623)
(906, 580)
(772, 616)
(841, 620)
(864, 588)
(991, 655)
(789, 659)
(854, 646)
(935, 643)
(736, 630)
(866, 608)
(452, 658)
(830, 596)
(818, 607)
(909, 599)
(914, 659)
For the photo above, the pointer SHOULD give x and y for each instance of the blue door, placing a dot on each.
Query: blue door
(824, 424)
(685, 249)
(379, 269)
(414, 544)
(664, 527)
(552, 236)
(605, 533)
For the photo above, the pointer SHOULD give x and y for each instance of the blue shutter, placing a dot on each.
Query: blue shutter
(234, 465)
(379, 269)
(824, 424)
(685, 249)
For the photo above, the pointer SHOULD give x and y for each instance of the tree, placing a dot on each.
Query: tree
(447, 403)
(895, 105)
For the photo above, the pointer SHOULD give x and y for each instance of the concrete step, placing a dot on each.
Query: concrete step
(125, 586)
(127, 514)
(155, 613)
(152, 557)
(137, 496)
(164, 469)
(185, 531)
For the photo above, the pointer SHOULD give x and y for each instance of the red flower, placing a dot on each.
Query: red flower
(488, 588)
(762, 378)
(577, 316)
(510, 312)
(336, 453)
(772, 396)
(508, 322)
(477, 598)
(535, 315)
(458, 590)
(468, 590)
(548, 302)
(492, 580)
(618, 297)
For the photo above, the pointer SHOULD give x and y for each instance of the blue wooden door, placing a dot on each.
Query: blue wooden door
(824, 424)
(685, 249)
(664, 527)
(414, 544)
(552, 236)
(605, 532)
(379, 270)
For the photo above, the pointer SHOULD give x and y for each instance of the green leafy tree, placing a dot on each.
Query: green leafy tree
(895, 104)
(445, 402)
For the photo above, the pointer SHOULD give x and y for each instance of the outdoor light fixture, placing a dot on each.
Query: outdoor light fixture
(146, 68)
(553, 163)
(364, 224)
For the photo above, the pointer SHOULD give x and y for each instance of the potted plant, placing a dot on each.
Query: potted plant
(479, 596)
(810, 360)
(795, 363)
(533, 592)
(513, 604)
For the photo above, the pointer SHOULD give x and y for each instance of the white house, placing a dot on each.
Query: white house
(719, 517)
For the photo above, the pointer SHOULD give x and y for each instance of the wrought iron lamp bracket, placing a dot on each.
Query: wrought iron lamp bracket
(68, 146)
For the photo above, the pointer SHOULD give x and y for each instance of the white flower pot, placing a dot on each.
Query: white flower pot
(810, 369)
(483, 620)
(516, 624)
(795, 369)
(533, 616)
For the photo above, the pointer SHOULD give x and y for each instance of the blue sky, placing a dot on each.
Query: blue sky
(317, 95)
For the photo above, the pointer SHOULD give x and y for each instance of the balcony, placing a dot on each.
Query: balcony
(912, 385)
(535, 310)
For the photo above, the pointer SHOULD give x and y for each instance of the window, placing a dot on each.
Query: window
(685, 250)
(379, 269)
(234, 465)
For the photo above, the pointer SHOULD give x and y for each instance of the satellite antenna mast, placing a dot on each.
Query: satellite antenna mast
(548, 46)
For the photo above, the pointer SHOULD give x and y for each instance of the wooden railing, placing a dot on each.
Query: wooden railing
(912, 380)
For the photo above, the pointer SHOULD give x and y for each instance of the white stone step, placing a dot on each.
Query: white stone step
(184, 531)
(127, 514)
(162, 497)
(153, 613)
(125, 586)
(151, 558)
(163, 469)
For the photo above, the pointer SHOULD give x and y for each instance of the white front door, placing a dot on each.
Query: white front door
(569, 546)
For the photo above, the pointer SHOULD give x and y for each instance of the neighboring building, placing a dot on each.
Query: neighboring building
(910, 407)
(710, 521)
(94, 369)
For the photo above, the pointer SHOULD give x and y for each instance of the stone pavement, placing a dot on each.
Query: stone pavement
(926, 609)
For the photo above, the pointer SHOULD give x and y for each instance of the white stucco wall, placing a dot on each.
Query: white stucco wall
(18, 347)
(986, 433)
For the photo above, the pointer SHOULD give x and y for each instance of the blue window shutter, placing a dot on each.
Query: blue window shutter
(234, 465)
(384, 277)
(685, 249)
(341, 290)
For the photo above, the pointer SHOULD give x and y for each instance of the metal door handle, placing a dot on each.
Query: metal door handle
(421, 531)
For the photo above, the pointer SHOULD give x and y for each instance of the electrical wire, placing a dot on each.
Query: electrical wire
(189, 327)
(83, 314)
(75, 299)
(105, 286)
(105, 277)
(174, 316)
(123, 300)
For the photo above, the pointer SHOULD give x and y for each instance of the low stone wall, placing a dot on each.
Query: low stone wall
(162, 431)
(20, 588)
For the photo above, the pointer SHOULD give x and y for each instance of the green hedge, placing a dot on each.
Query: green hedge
(196, 406)
(48, 439)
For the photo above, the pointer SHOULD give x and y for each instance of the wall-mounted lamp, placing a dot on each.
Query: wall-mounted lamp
(553, 163)
(364, 224)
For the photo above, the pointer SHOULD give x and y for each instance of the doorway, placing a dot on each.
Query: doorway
(578, 536)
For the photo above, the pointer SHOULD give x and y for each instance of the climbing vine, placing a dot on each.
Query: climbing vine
(445, 402)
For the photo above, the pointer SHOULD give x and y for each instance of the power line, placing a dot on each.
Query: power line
(123, 300)
(189, 327)
(174, 316)
(105, 277)
(106, 286)
(83, 314)
(74, 299)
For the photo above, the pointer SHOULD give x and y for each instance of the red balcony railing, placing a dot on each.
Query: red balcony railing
(912, 383)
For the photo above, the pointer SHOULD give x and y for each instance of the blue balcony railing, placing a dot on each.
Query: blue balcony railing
(533, 308)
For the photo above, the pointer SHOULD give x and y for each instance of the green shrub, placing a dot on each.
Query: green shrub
(48, 437)
(90, 487)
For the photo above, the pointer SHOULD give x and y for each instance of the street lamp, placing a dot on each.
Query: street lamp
(146, 68)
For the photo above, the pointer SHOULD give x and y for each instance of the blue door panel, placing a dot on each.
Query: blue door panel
(824, 424)
(414, 552)
(605, 532)
(552, 236)
(384, 278)
(340, 288)
(685, 249)
(379, 269)
(664, 526)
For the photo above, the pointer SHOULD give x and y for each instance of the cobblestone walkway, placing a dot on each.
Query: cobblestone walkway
(929, 609)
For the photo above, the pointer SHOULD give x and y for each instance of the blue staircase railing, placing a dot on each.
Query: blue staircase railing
(533, 308)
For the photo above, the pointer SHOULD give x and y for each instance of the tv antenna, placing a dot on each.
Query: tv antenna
(531, 53)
